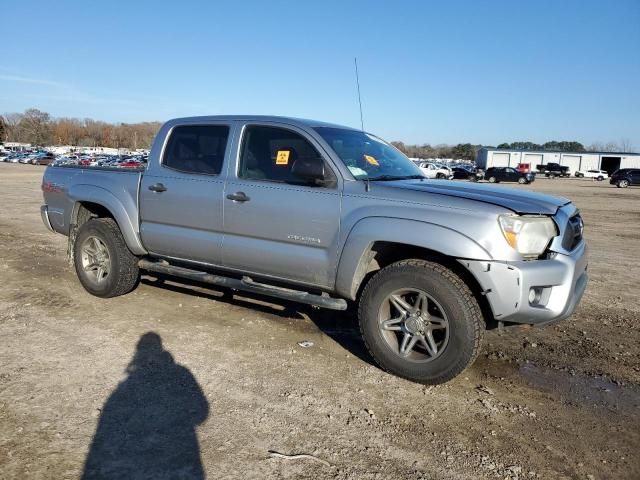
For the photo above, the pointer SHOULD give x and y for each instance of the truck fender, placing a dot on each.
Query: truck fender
(91, 193)
(357, 251)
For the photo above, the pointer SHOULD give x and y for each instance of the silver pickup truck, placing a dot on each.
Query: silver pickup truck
(326, 215)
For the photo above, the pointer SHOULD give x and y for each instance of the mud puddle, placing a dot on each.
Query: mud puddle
(583, 389)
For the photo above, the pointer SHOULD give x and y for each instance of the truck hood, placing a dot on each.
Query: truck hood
(519, 201)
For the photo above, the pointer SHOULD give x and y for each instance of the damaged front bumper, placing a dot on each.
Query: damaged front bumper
(533, 292)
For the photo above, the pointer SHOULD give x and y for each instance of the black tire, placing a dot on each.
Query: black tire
(123, 273)
(522, 181)
(440, 175)
(493, 180)
(466, 324)
(624, 183)
(600, 179)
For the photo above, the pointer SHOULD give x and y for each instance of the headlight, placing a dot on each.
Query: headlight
(528, 236)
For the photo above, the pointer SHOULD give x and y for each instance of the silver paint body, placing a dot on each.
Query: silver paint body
(318, 237)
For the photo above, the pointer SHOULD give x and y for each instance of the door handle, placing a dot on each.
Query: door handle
(157, 187)
(238, 197)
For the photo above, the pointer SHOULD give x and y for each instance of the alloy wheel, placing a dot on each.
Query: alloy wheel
(96, 261)
(413, 325)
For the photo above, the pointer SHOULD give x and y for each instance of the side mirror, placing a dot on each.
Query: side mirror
(309, 170)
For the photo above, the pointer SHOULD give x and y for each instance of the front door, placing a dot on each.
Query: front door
(274, 225)
(181, 197)
(511, 175)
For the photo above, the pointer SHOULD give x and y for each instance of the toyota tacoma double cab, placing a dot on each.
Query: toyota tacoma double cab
(329, 216)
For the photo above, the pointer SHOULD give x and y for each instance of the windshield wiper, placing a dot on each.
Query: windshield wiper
(386, 178)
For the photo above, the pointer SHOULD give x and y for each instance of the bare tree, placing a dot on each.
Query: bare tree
(35, 126)
(611, 147)
(12, 120)
(625, 145)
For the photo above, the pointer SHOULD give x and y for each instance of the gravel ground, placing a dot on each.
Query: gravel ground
(178, 381)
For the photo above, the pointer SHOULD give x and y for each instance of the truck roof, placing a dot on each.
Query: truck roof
(301, 122)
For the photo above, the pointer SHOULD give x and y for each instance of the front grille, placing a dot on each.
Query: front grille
(573, 233)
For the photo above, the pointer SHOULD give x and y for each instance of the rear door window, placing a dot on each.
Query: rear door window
(198, 149)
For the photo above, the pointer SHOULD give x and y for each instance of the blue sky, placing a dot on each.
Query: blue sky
(430, 72)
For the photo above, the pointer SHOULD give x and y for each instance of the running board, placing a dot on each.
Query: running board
(246, 284)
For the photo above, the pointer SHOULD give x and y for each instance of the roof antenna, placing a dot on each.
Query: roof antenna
(367, 186)
(355, 61)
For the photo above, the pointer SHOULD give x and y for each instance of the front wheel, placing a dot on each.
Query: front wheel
(104, 264)
(493, 180)
(623, 183)
(420, 321)
(522, 180)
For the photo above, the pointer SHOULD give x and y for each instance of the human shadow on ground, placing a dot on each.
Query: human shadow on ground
(147, 428)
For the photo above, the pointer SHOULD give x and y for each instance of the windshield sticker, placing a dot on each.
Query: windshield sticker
(282, 157)
(357, 172)
(371, 160)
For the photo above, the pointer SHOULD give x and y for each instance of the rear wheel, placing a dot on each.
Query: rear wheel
(420, 321)
(493, 180)
(104, 265)
(623, 183)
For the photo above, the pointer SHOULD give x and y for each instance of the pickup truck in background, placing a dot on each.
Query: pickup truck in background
(329, 216)
(554, 170)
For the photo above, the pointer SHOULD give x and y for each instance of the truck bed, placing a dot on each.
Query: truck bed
(63, 185)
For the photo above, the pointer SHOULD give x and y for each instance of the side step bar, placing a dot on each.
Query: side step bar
(246, 284)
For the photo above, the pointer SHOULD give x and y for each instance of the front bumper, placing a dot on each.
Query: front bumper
(559, 283)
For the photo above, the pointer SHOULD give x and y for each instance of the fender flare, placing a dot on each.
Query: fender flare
(357, 250)
(91, 193)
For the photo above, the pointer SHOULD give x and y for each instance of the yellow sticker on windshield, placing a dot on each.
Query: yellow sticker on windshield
(371, 160)
(282, 157)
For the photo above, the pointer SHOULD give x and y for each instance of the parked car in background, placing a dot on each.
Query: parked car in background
(597, 174)
(523, 167)
(554, 170)
(508, 174)
(434, 170)
(45, 159)
(625, 177)
(467, 173)
(461, 173)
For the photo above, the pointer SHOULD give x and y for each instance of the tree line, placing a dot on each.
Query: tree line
(40, 129)
(465, 151)
(623, 145)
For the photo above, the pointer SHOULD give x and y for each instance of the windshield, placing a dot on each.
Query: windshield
(368, 157)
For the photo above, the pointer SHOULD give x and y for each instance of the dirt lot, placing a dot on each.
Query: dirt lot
(219, 379)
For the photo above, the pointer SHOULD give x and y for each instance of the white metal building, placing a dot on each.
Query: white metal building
(609, 161)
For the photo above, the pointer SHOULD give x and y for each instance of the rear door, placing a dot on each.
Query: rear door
(275, 226)
(510, 174)
(181, 197)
